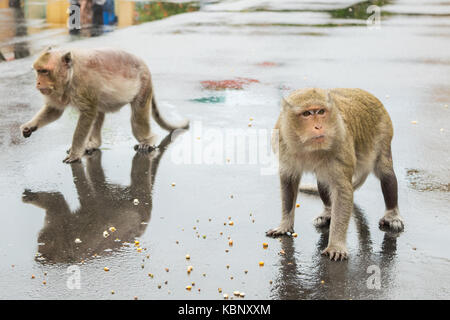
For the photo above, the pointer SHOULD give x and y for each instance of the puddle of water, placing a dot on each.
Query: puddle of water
(422, 181)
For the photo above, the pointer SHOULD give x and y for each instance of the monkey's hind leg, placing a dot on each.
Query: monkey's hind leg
(140, 124)
(289, 191)
(95, 138)
(385, 172)
(324, 218)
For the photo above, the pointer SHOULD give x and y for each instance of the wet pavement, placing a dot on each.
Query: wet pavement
(226, 68)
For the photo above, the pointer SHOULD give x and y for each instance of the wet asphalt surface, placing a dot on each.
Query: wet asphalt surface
(184, 206)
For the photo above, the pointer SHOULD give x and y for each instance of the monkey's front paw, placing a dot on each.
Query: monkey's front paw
(28, 196)
(279, 231)
(391, 224)
(143, 147)
(27, 131)
(72, 159)
(336, 253)
(392, 221)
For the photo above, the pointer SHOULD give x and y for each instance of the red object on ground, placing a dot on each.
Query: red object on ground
(235, 84)
(267, 64)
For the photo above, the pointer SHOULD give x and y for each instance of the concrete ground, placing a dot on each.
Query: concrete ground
(53, 215)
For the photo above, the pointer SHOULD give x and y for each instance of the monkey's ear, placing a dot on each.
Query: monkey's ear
(67, 59)
(285, 105)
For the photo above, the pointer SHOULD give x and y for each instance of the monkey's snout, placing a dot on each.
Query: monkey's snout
(45, 91)
(319, 138)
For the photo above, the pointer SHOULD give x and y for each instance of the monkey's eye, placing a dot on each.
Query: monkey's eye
(321, 111)
(43, 71)
(306, 113)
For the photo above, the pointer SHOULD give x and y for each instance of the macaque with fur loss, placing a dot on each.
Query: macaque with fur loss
(340, 135)
(96, 81)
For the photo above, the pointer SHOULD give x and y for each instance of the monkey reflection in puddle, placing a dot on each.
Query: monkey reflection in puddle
(102, 205)
(322, 279)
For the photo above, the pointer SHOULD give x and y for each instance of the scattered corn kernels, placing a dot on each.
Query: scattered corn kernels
(261, 263)
(265, 245)
(188, 288)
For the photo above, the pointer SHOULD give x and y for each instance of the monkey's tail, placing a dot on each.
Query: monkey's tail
(309, 189)
(163, 123)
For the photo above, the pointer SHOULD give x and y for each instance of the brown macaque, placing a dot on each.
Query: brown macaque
(340, 135)
(96, 81)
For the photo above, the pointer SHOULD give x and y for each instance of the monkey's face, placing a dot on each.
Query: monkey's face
(312, 126)
(52, 72)
(44, 80)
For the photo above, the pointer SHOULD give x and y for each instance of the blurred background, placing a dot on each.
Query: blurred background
(27, 26)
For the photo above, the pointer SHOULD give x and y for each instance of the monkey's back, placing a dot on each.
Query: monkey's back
(117, 76)
(365, 118)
